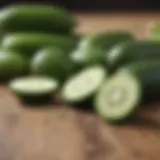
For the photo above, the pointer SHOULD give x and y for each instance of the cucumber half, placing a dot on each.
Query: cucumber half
(34, 89)
(118, 97)
(83, 85)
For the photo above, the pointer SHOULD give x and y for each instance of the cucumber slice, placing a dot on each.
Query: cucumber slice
(118, 97)
(33, 89)
(81, 87)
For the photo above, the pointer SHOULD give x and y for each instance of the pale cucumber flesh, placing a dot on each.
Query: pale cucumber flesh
(118, 97)
(83, 84)
(33, 85)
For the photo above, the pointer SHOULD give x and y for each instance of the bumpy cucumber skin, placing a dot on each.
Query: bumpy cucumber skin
(38, 18)
(12, 65)
(29, 43)
(51, 62)
(95, 47)
(147, 72)
(133, 52)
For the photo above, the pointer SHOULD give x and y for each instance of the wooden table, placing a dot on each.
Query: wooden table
(57, 132)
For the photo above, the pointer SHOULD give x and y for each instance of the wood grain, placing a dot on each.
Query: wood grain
(57, 132)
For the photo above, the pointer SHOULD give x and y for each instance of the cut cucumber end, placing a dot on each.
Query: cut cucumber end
(84, 84)
(118, 97)
(33, 89)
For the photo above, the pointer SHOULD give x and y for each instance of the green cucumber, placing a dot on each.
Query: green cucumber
(118, 98)
(153, 31)
(80, 88)
(106, 39)
(51, 62)
(33, 89)
(29, 43)
(148, 74)
(12, 64)
(92, 49)
(35, 18)
(133, 52)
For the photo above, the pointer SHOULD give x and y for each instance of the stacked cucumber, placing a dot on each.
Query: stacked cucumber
(42, 55)
(35, 42)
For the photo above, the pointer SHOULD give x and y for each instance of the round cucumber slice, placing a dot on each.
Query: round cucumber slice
(34, 89)
(118, 97)
(84, 84)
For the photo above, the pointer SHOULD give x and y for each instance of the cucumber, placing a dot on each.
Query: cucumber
(51, 62)
(147, 72)
(133, 52)
(29, 43)
(33, 89)
(153, 31)
(106, 39)
(118, 98)
(80, 88)
(12, 64)
(36, 18)
(92, 49)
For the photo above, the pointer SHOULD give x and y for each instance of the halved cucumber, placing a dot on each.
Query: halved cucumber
(118, 97)
(83, 85)
(34, 89)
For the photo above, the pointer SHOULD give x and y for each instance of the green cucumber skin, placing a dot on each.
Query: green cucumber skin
(12, 65)
(38, 18)
(147, 72)
(154, 31)
(106, 40)
(29, 43)
(134, 52)
(98, 45)
(82, 103)
(51, 62)
(34, 99)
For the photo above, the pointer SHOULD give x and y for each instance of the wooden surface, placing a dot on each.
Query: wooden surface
(55, 132)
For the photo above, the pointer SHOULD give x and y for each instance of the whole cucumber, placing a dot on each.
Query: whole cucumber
(39, 18)
(148, 74)
(29, 43)
(92, 49)
(132, 52)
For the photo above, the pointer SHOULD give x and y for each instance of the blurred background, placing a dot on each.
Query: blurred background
(106, 5)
